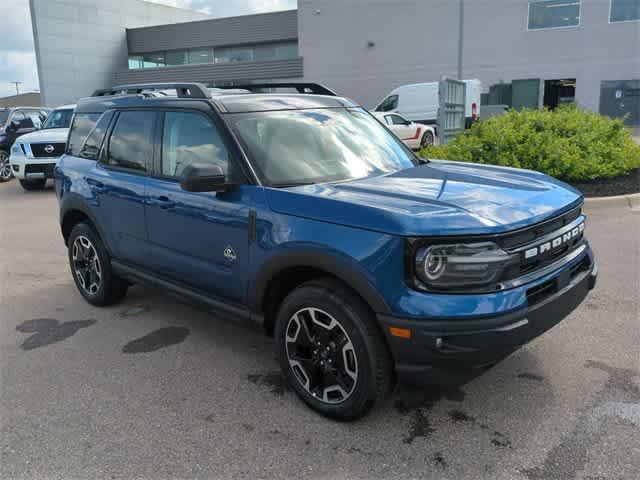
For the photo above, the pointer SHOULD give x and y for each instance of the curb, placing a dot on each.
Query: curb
(632, 201)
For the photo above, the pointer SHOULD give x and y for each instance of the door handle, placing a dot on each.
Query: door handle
(165, 202)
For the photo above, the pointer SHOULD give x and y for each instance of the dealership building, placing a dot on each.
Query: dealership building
(582, 51)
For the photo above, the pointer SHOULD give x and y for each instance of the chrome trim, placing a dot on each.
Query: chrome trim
(530, 277)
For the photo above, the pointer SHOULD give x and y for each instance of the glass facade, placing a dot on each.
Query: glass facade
(553, 14)
(624, 10)
(251, 53)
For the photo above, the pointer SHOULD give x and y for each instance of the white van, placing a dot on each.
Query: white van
(419, 101)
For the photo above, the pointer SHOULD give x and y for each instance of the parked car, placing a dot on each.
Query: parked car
(414, 135)
(14, 122)
(419, 101)
(303, 213)
(34, 155)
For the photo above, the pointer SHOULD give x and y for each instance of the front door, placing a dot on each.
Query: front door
(197, 238)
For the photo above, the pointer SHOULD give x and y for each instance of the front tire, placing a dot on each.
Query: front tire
(332, 351)
(91, 267)
(31, 185)
(5, 167)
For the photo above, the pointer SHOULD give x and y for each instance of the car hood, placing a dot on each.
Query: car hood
(439, 198)
(48, 135)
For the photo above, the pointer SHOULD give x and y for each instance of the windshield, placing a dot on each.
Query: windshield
(4, 114)
(311, 146)
(58, 119)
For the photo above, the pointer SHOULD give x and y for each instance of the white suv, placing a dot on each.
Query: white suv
(34, 155)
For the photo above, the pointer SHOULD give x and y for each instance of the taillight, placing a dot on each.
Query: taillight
(474, 111)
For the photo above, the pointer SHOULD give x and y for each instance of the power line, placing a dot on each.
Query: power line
(17, 84)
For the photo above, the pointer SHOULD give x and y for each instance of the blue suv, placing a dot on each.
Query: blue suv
(303, 213)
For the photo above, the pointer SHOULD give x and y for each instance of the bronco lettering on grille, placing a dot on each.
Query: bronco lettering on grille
(555, 243)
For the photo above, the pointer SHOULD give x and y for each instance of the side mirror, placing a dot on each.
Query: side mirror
(203, 177)
(13, 126)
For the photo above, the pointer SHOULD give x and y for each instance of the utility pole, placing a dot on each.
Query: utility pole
(460, 37)
(17, 86)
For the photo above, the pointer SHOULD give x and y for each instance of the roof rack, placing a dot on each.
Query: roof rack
(183, 89)
(304, 87)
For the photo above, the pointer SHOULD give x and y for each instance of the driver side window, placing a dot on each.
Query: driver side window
(190, 137)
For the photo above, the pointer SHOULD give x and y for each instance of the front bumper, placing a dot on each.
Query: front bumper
(455, 344)
(30, 168)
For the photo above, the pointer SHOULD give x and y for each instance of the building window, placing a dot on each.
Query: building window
(234, 54)
(176, 57)
(201, 55)
(252, 53)
(553, 14)
(624, 10)
(153, 59)
(135, 61)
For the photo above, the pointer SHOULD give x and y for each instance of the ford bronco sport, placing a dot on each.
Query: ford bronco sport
(303, 213)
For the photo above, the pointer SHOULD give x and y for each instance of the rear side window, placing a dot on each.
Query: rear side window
(130, 144)
(91, 147)
(82, 124)
(388, 104)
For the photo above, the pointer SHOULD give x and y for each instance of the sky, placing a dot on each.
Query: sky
(18, 59)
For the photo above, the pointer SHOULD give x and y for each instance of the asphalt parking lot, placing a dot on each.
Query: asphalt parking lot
(153, 388)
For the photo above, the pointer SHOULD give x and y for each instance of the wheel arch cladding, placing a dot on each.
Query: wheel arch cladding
(71, 217)
(286, 271)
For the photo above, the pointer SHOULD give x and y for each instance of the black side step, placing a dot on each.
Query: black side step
(235, 312)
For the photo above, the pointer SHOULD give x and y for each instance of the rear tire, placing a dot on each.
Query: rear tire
(427, 139)
(331, 350)
(31, 185)
(91, 267)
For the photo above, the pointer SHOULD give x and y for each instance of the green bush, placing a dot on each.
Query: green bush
(570, 144)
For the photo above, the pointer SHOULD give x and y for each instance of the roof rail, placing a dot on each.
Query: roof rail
(304, 87)
(183, 89)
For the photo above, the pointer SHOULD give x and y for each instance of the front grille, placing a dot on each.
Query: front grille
(47, 149)
(527, 235)
(46, 168)
(546, 289)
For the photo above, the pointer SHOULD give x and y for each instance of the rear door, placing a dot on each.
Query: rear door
(119, 180)
(198, 238)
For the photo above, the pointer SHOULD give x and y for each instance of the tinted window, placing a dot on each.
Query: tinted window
(4, 114)
(398, 120)
(93, 143)
(82, 124)
(310, 146)
(389, 103)
(201, 55)
(130, 142)
(59, 119)
(18, 117)
(190, 138)
(176, 57)
(553, 13)
(624, 10)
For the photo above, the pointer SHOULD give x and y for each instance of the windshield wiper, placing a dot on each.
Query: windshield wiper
(290, 184)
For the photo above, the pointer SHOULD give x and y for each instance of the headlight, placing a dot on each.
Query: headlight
(17, 149)
(461, 266)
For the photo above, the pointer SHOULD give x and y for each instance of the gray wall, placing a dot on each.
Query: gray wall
(417, 41)
(29, 99)
(259, 28)
(80, 44)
